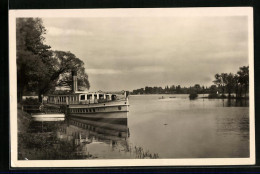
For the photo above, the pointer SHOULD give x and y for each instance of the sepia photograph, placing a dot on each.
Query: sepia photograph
(131, 87)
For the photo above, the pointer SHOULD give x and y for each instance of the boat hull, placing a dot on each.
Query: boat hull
(113, 110)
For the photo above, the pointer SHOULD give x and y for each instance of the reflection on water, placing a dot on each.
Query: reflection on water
(183, 128)
(172, 127)
(90, 139)
(102, 139)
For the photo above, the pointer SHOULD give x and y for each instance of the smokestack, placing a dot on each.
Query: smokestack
(74, 81)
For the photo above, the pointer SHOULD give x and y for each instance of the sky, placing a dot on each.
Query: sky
(126, 53)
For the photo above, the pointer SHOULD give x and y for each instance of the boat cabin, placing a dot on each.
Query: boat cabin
(81, 98)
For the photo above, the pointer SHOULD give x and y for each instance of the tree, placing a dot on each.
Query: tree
(178, 89)
(172, 89)
(31, 52)
(230, 83)
(197, 88)
(213, 89)
(236, 87)
(220, 80)
(243, 78)
(62, 64)
(38, 68)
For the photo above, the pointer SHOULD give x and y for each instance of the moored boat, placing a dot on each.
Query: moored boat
(90, 104)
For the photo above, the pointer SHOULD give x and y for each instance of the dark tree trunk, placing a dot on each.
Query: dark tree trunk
(40, 97)
(240, 92)
(223, 90)
(245, 91)
(236, 92)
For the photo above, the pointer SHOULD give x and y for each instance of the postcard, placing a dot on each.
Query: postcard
(131, 87)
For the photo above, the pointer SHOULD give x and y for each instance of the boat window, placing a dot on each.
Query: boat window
(101, 96)
(89, 97)
(94, 110)
(82, 97)
(113, 97)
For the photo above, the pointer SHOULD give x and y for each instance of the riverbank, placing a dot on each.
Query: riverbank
(38, 144)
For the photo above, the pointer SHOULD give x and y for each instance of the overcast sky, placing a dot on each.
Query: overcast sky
(133, 52)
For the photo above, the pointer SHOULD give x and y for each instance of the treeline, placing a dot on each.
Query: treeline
(233, 83)
(40, 69)
(159, 90)
(176, 89)
(224, 83)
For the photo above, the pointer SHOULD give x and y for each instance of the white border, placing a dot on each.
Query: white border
(155, 12)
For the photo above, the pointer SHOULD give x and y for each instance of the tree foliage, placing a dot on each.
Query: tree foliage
(237, 83)
(40, 69)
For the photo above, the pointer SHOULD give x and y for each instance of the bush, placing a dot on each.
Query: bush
(31, 101)
(193, 96)
(214, 95)
(223, 96)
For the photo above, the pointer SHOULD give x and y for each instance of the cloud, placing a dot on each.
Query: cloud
(135, 52)
(149, 69)
(102, 71)
(55, 31)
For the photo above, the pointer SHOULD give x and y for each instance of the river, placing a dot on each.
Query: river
(165, 126)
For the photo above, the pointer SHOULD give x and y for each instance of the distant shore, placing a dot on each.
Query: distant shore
(208, 96)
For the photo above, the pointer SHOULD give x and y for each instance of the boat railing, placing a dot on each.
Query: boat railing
(95, 101)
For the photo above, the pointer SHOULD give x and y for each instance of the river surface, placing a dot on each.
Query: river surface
(165, 126)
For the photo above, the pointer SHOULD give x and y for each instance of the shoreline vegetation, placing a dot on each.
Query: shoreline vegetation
(42, 145)
(224, 83)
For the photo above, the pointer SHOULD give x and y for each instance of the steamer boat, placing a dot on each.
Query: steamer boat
(92, 105)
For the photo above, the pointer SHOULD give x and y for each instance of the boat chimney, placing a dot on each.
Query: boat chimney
(74, 81)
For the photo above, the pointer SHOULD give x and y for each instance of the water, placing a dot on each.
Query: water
(183, 128)
(173, 127)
